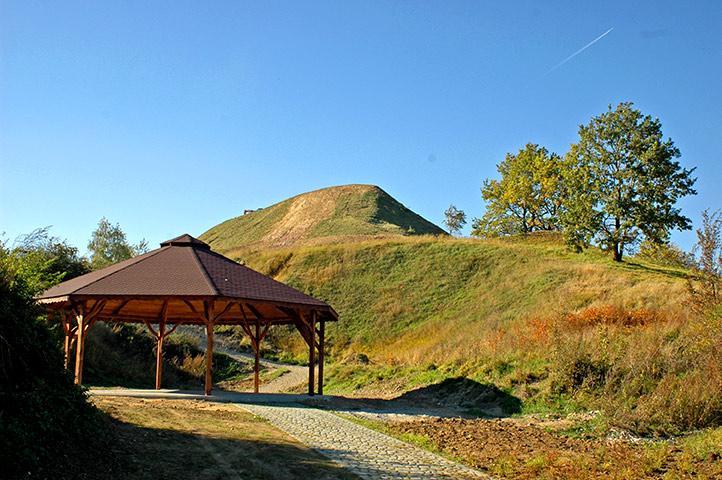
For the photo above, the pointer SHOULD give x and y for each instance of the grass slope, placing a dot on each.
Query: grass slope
(431, 300)
(554, 331)
(321, 216)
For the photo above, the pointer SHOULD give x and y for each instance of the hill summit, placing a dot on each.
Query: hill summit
(321, 216)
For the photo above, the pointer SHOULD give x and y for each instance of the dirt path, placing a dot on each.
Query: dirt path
(292, 378)
(294, 375)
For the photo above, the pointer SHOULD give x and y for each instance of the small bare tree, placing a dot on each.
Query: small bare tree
(705, 285)
(454, 219)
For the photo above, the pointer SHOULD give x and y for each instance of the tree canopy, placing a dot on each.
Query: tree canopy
(454, 219)
(43, 260)
(618, 184)
(108, 245)
(621, 182)
(526, 197)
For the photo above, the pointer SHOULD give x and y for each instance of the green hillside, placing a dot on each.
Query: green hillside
(536, 326)
(322, 216)
(427, 299)
(554, 330)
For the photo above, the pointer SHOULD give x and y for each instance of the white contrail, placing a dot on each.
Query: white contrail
(579, 51)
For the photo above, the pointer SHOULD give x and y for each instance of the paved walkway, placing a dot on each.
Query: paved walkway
(365, 452)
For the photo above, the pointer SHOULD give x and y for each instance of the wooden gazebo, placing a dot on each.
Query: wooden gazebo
(184, 282)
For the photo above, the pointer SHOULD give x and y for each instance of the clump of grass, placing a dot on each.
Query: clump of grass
(660, 380)
(614, 315)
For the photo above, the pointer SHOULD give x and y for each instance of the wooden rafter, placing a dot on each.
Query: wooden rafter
(152, 330)
(224, 312)
(299, 322)
(117, 310)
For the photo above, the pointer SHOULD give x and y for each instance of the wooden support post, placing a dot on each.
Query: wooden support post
(73, 337)
(160, 336)
(159, 355)
(66, 338)
(321, 334)
(311, 353)
(209, 357)
(66, 348)
(79, 344)
(257, 361)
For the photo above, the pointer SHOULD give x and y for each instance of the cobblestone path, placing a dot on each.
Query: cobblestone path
(365, 452)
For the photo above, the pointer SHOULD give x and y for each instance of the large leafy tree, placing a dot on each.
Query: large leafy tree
(622, 182)
(526, 197)
(108, 245)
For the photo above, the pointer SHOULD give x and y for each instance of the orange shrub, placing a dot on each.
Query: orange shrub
(540, 329)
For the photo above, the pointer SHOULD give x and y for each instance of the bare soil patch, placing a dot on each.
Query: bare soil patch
(524, 449)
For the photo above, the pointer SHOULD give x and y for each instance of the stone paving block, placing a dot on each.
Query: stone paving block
(367, 453)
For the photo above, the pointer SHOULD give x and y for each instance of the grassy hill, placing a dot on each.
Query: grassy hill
(426, 299)
(321, 216)
(535, 326)
(554, 330)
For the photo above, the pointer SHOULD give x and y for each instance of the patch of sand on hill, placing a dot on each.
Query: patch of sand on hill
(305, 213)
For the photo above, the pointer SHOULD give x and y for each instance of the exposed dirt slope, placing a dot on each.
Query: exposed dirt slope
(528, 449)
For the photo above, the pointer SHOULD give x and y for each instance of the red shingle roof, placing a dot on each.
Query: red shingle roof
(183, 266)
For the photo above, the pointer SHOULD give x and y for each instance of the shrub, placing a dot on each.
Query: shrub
(669, 381)
(663, 379)
(665, 254)
(43, 415)
(577, 367)
(705, 285)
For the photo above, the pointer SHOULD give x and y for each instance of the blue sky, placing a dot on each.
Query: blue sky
(169, 117)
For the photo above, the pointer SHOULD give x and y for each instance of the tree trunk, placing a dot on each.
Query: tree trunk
(618, 246)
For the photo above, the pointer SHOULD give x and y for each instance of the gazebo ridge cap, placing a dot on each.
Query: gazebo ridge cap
(185, 240)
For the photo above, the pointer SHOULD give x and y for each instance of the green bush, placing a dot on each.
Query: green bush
(44, 417)
(663, 379)
(581, 373)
